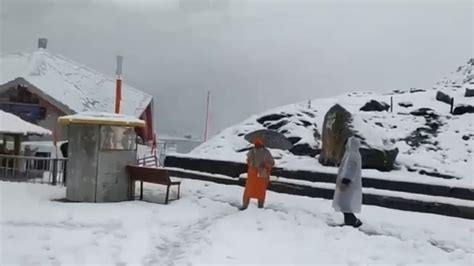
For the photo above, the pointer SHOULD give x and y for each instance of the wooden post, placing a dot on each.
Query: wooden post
(55, 172)
(16, 144)
(391, 104)
(16, 151)
(452, 105)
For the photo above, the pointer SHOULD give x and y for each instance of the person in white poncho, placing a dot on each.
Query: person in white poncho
(348, 192)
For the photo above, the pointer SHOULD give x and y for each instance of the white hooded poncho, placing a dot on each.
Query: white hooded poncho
(349, 200)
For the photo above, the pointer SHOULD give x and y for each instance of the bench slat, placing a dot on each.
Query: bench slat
(149, 174)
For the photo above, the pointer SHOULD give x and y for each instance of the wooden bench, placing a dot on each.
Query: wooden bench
(152, 175)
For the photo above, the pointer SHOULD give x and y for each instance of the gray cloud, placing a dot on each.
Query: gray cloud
(251, 55)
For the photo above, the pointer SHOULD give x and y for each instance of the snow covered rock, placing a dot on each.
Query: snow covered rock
(375, 106)
(338, 125)
(282, 122)
(336, 129)
(469, 93)
(443, 97)
(405, 104)
(383, 160)
(463, 109)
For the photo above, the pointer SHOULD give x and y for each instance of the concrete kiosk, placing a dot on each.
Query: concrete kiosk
(100, 146)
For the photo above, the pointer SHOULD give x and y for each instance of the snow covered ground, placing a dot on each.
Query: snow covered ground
(205, 227)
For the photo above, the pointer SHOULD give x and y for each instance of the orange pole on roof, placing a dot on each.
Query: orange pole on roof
(118, 84)
(118, 95)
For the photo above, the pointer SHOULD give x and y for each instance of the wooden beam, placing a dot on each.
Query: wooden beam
(16, 144)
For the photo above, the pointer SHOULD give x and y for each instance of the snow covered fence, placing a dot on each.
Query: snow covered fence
(234, 169)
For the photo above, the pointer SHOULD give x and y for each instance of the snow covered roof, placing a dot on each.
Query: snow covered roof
(102, 119)
(12, 124)
(74, 87)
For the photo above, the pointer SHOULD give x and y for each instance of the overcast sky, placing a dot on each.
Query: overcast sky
(251, 55)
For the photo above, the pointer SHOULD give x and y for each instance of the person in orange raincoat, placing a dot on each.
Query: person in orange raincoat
(260, 162)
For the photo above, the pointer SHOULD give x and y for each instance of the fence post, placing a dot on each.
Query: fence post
(64, 164)
(391, 104)
(55, 171)
(452, 105)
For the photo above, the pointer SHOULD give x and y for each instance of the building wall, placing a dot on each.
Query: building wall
(147, 132)
(49, 121)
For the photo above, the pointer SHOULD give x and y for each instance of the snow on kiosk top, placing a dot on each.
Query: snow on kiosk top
(98, 118)
(12, 124)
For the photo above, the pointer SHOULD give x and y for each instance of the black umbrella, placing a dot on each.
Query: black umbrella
(272, 139)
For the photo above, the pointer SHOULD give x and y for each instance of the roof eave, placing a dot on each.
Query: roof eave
(22, 81)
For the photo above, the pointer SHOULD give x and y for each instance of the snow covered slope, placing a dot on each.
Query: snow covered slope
(72, 84)
(204, 227)
(430, 139)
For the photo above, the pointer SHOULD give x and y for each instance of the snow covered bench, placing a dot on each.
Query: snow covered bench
(152, 175)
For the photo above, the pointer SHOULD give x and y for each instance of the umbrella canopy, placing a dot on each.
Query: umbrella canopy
(272, 139)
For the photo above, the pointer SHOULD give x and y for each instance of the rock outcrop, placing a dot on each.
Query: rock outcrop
(443, 97)
(337, 127)
(375, 106)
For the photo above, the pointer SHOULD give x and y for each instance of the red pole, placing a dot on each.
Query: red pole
(207, 115)
(118, 84)
(118, 94)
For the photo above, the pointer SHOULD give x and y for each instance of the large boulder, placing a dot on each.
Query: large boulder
(469, 93)
(443, 97)
(375, 106)
(336, 129)
(463, 109)
(382, 160)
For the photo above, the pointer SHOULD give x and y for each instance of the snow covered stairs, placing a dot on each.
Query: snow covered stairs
(409, 196)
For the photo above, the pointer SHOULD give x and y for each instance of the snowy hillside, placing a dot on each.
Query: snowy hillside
(430, 139)
(204, 227)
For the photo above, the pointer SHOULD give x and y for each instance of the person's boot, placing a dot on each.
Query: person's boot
(245, 204)
(357, 223)
(349, 219)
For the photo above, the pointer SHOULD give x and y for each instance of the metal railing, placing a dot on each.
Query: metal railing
(150, 161)
(44, 170)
